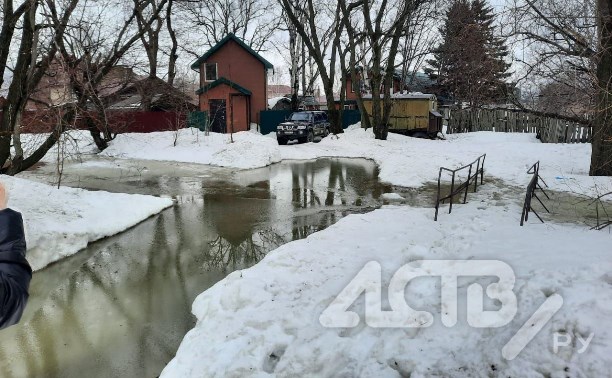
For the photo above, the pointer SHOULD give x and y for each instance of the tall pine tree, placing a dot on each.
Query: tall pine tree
(469, 64)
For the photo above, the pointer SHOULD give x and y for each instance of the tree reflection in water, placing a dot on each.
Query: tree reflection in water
(121, 307)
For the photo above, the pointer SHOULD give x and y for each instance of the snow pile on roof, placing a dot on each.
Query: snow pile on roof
(404, 161)
(264, 321)
(274, 100)
(406, 95)
(60, 222)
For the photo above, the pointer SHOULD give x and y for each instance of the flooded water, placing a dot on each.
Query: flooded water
(121, 307)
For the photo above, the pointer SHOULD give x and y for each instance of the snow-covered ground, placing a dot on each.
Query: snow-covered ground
(60, 222)
(403, 161)
(249, 150)
(264, 321)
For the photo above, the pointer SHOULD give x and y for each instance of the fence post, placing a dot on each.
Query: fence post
(450, 208)
(467, 186)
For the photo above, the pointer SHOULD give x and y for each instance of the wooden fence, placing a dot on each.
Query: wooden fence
(44, 121)
(547, 129)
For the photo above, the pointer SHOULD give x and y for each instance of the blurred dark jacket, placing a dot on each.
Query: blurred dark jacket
(15, 272)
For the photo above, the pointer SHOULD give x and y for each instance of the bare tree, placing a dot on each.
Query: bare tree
(10, 17)
(380, 25)
(569, 94)
(415, 45)
(149, 29)
(90, 58)
(576, 35)
(43, 25)
(601, 159)
(172, 55)
(154, 36)
(297, 59)
(253, 21)
(320, 26)
(294, 56)
(58, 31)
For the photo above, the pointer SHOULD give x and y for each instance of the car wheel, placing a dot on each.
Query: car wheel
(282, 141)
(310, 137)
(326, 132)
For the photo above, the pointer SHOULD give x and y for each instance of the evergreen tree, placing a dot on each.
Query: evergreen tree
(469, 64)
(496, 73)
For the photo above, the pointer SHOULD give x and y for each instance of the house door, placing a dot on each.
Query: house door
(240, 116)
(218, 116)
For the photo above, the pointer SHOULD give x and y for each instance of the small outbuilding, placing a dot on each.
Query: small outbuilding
(414, 114)
(233, 85)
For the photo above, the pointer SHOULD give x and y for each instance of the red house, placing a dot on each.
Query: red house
(233, 85)
(351, 87)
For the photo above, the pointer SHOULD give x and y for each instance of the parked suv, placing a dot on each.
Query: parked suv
(303, 126)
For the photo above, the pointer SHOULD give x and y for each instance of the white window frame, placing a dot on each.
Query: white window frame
(206, 73)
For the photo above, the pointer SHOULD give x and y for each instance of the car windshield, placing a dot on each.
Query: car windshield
(301, 117)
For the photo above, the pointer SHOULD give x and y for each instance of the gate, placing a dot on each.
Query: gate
(271, 118)
(199, 120)
(350, 117)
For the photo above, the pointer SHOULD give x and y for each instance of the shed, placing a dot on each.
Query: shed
(411, 113)
(233, 85)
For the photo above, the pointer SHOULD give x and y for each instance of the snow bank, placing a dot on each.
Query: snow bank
(71, 146)
(263, 321)
(249, 149)
(392, 197)
(60, 222)
(404, 161)
(412, 162)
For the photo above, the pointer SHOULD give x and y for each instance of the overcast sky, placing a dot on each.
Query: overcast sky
(272, 55)
(280, 64)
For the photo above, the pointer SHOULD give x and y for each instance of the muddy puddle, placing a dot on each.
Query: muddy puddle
(121, 307)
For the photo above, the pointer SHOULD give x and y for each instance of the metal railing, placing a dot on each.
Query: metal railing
(534, 185)
(475, 170)
(601, 221)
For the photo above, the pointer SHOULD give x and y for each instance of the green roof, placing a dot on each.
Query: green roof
(223, 80)
(222, 42)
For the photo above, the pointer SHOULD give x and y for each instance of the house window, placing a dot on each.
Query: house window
(210, 72)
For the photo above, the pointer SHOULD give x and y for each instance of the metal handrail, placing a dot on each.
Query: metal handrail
(464, 186)
(534, 184)
(599, 203)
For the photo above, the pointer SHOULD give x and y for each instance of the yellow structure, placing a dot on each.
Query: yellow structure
(412, 113)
